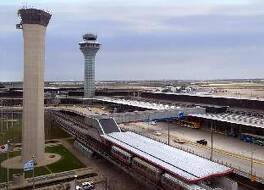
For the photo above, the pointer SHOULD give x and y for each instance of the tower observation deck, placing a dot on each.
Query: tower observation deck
(89, 47)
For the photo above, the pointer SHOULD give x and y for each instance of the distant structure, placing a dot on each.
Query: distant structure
(89, 47)
(33, 23)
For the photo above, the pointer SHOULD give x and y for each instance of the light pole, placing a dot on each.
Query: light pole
(33, 171)
(212, 141)
(168, 134)
(7, 168)
(148, 118)
(2, 113)
(251, 163)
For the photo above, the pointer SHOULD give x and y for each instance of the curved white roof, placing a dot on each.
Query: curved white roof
(187, 166)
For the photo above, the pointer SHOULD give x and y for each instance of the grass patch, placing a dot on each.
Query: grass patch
(3, 171)
(67, 162)
(14, 132)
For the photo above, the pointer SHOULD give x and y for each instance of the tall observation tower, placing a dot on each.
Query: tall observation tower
(33, 23)
(89, 47)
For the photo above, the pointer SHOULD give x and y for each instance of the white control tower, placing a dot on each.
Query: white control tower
(33, 23)
(89, 47)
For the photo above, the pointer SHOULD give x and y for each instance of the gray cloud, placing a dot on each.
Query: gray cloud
(173, 41)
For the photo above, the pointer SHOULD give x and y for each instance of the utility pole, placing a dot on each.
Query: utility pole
(212, 141)
(2, 113)
(33, 171)
(12, 124)
(7, 168)
(148, 118)
(251, 163)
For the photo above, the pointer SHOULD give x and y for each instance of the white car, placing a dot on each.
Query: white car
(153, 123)
(88, 185)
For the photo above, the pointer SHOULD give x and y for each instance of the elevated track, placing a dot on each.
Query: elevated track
(94, 137)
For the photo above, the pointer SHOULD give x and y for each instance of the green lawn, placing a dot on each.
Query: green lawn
(67, 162)
(3, 175)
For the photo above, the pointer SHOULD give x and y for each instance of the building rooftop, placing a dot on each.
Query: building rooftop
(141, 104)
(151, 105)
(250, 121)
(186, 166)
(212, 96)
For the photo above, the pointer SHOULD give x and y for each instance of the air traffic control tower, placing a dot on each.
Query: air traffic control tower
(33, 23)
(89, 47)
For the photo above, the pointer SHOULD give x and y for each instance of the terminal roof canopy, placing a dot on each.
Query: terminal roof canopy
(186, 166)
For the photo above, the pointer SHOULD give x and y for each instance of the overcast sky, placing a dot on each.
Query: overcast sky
(143, 39)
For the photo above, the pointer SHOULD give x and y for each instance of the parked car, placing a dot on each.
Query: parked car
(153, 122)
(180, 141)
(88, 185)
(202, 142)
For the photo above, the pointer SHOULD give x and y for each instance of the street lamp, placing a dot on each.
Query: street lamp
(2, 113)
(33, 171)
(168, 134)
(7, 168)
(251, 163)
(212, 141)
